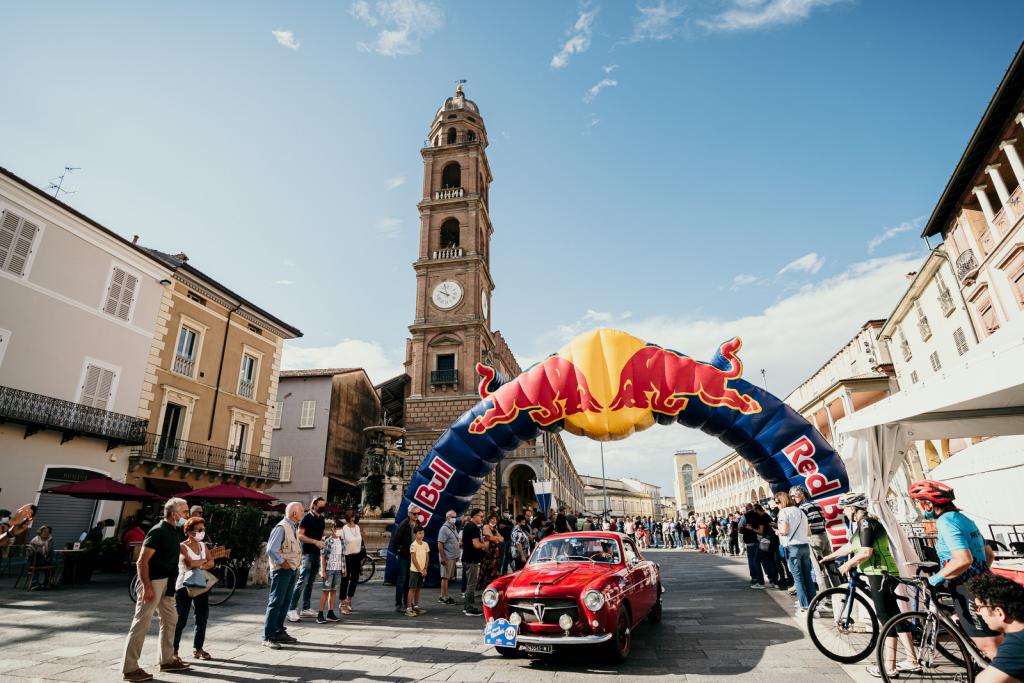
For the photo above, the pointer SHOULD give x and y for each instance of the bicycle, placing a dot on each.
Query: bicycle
(368, 565)
(944, 651)
(219, 594)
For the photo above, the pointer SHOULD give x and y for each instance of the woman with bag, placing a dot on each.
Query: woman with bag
(795, 541)
(352, 536)
(193, 585)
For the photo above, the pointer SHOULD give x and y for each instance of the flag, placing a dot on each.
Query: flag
(542, 492)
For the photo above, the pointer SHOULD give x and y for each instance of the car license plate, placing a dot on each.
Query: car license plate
(537, 649)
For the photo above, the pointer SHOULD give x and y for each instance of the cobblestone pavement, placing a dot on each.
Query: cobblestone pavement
(714, 628)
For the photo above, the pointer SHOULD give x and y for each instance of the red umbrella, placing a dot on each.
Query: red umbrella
(102, 488)
(228, 492)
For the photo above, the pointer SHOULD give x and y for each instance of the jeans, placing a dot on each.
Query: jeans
(402, 582)
(471, 572)
(770, 565)
(754, 564)
(505, 554)
(282, 584)
(734, 545)
(307, 577)
(183, 603)
(798, 557)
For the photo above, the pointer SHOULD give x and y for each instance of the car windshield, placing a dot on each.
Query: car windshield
(577, 549)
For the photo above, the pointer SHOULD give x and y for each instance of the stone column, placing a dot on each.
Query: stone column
(1015, 163)
(1001, 190)
(986, 208)
(972, 243)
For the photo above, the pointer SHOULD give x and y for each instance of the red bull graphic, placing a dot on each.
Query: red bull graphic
(607, 384)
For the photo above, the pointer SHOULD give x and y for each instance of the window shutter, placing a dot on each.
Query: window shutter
(278, 407)
(98, 384)
(308, 412)
(960, 339)
(121, 294)
(286, 468)
(16, 238)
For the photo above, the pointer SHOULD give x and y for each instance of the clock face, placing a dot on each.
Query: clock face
(483, 303)
(447, 294)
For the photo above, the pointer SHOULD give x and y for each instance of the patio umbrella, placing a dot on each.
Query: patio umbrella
(228, 493)
(102, 488)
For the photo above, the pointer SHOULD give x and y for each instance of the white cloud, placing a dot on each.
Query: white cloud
(745, 15)
(388, 227)
(286, 38)
(403, 24)
(656, 21)
(284, 282)
(598, 87)
(288, 262)
(593, 121)
(791, 338)
(578, 40)
(742, 280)
(889, 233)
(608, 68)
(392, 183)
(808, 263)
(347, 353)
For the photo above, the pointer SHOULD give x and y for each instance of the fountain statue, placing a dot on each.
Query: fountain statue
(381, 480)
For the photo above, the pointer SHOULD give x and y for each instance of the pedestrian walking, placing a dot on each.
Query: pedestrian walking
(401, 541)
(419, 553)
(448, 555)
(157, 570)
(816, 533)
(311, 534)
(491, 561)
(332, 566)
(192, 557)
(473, 547)
(352, 539)
(285, 555)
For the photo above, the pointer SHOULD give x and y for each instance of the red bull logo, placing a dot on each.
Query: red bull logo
(578, 385)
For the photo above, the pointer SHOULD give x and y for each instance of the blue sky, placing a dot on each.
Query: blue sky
(685, 171)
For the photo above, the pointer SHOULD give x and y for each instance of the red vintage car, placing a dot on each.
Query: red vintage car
(583, 588)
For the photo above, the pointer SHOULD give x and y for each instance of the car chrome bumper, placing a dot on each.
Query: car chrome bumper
(563, 640)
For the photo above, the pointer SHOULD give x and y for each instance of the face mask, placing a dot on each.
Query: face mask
(200, 535)
(180, 522)
(931, 515)
(451, 520)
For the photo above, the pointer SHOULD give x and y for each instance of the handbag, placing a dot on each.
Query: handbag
(764, 544)
(194, 591)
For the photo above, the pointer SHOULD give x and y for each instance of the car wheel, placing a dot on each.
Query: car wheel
(617, 649)
(655, 616)
(509, 652)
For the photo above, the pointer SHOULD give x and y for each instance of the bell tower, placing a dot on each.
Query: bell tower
(451, 330)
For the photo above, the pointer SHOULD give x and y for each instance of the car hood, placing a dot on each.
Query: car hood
(555, 578)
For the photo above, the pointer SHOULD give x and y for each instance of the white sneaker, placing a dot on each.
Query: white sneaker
(908, 667)
(293, 615)
(307, 613)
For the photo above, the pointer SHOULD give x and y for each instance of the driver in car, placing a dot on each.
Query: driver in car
(604, 554)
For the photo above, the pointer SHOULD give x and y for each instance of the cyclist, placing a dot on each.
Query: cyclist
(869, 553)
(963, 555)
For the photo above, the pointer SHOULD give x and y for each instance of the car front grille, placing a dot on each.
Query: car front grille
(553, 608)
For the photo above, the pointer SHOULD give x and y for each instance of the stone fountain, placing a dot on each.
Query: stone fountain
(380, 484)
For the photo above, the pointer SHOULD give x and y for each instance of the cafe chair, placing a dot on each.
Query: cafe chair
(31, 568)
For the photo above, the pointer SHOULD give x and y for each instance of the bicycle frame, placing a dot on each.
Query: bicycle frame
(929, 639)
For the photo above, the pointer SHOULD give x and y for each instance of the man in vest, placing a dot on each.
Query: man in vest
(285, 555)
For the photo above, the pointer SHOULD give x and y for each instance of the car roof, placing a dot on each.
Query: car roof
(588, 534)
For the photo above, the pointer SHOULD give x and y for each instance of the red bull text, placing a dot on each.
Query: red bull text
(801, 454)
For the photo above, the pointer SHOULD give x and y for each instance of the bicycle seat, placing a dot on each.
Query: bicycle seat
(923, 567)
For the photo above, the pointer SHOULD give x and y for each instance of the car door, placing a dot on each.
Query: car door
(636, 581)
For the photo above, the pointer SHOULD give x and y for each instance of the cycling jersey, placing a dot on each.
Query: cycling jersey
(871, 534)
(958, 532)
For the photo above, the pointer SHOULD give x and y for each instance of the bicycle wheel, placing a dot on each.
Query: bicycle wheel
(225, 586)
(134, 586)
(940, 651)
(836, 627)
(367, 568)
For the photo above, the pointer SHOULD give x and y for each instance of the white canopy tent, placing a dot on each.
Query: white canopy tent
(983, 395)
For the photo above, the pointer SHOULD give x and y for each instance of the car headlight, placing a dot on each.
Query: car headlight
(515, 619)
(490, 597)
(565, 622)
(593, 600)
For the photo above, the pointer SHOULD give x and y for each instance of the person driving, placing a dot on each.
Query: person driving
(604, 554)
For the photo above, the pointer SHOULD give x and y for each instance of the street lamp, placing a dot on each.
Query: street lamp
(604, 482)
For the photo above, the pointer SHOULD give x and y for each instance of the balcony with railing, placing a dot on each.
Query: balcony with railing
(159, 450)
(38, 412)
(246, 388)
(966, 266)
(946, 302)
(450, 193)
(183, 365)
(444, 140)
(444, 377)
(450, 252)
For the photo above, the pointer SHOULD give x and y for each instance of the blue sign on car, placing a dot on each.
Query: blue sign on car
(500, 633)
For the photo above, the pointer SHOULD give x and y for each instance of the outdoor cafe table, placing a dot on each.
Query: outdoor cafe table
(71, 560)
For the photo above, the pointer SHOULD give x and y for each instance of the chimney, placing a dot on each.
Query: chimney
(183, 257)
(135, 239)
(911, 274)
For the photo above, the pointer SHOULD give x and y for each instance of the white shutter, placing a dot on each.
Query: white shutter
(121, 294)
(96, 390)
(278, 408)
(17, 236)
(286, 468)
(308, 413)
(5, 337)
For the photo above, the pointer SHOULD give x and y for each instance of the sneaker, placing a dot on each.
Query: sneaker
(138, 675)
(293, 615)
(462, 594)
(175, 665)
(285, 638)
(269, 644)
(331, 616)
(399, 609)
(759, 586)
(908, 667)
(472, 612)
(443, 600)
(419, 610)
(792, 590)
(307, 613)
(449, 601)
(877, 673)
(320, 618)
(411, 612)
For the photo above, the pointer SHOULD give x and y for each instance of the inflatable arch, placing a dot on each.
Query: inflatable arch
(606, 385)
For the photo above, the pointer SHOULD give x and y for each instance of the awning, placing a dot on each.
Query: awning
(166, 488)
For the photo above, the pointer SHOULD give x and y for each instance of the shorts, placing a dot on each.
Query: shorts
(449, 569)
(970, 621)
(415, 580)
(332, 580)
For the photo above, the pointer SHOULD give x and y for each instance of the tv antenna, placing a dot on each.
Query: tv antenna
(57, 183)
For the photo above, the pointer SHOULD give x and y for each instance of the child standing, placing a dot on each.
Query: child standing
(419, 551)
(332, 568)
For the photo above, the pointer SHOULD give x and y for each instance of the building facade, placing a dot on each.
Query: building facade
(652, 491)
(74, 354)
(686, 473)
(727, 485)
(623, 499)
(211, 395)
